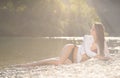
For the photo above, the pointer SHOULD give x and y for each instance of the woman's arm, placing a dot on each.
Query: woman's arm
(107, 54)
(106, 51)
(87, 43)
(102, 58)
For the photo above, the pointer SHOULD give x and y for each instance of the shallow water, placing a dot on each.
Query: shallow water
(92, 68)
(17, 50)
(24, 50)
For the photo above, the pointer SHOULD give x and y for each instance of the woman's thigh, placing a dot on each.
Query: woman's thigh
(66, 52)
(84, 57)
(73, 55)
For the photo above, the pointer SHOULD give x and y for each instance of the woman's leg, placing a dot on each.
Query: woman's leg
(62, 59)
(84, 57)
(66, 52)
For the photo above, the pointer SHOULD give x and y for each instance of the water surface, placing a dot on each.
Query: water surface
(18, 50)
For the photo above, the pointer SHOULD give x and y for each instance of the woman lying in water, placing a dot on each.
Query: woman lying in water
(93, 46)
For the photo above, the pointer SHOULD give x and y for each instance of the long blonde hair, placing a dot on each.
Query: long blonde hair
(99, 28)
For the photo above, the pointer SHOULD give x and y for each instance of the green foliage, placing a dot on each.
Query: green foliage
(47, 17)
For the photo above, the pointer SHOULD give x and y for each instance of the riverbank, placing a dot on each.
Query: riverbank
(92, 68)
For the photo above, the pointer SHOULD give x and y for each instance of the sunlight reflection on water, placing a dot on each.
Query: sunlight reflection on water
(79, 38)
(108, 69)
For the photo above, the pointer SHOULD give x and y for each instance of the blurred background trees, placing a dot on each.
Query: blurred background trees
(46, 17)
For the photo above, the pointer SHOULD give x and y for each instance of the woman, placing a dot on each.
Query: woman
(93, 46)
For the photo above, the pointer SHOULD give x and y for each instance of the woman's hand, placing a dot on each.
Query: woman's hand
(102, 58)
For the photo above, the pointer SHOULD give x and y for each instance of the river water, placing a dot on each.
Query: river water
(21, 50)
(17, 50)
